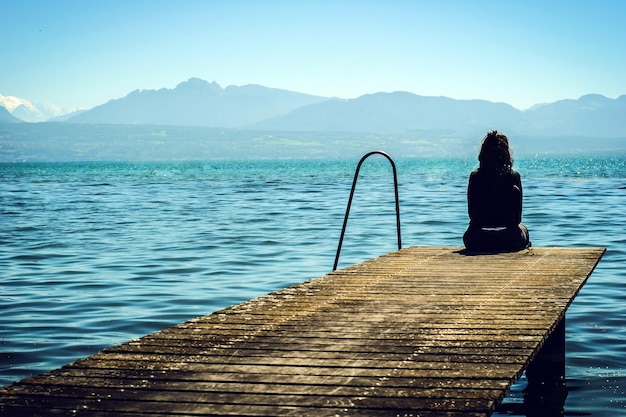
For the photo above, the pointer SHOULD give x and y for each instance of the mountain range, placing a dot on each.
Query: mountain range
(590, 116)
(201, 120)
(25, 111)
(200, 103)
(196, 102)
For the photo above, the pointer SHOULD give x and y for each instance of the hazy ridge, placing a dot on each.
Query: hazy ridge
(7, 117)
(202, 120)
(200, 103)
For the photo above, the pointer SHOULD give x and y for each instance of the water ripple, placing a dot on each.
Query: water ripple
(93, 255)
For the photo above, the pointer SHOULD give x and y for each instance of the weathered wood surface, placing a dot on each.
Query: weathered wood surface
(426, 331)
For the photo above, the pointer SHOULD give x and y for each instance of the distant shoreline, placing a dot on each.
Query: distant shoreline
(57, 142)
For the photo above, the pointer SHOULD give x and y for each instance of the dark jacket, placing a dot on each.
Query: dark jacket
(494, 199)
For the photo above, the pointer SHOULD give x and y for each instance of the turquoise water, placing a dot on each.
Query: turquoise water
(96, 254)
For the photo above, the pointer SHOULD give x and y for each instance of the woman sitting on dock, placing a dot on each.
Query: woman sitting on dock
(494, 200)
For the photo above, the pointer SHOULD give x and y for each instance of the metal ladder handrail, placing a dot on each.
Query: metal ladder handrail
(356, 175)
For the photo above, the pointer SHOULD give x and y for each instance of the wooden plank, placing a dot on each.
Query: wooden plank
(423, 331)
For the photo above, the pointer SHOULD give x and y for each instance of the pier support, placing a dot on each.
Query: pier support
(546, 391)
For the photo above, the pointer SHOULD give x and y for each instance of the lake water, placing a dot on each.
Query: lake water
(96, 254)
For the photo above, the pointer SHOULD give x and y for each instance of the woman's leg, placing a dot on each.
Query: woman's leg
(511, 239)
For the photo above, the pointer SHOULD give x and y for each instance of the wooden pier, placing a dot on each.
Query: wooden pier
(425, 331)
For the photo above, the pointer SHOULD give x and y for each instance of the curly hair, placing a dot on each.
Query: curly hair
(495, 154)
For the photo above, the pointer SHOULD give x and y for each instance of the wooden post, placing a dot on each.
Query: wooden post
(546, 392)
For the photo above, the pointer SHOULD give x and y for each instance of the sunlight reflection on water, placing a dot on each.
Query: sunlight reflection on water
(96, 254)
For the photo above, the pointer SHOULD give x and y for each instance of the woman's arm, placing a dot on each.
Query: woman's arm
(473, 197)
(519, 197)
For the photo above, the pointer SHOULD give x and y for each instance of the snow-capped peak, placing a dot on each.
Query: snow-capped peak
(29, 112)
(11, 103)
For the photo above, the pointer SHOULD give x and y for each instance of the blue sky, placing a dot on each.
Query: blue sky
(522, 52)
